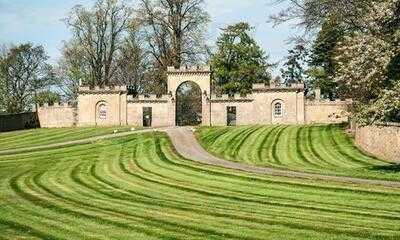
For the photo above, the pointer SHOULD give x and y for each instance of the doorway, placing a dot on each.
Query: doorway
(231, 116)
(147, 116)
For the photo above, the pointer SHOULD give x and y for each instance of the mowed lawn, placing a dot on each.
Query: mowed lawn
(323, 149)
(43, 136)
(137, 187)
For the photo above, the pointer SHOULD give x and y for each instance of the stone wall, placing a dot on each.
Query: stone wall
(319, 111)
(258, 107)
(219, 105)
(381, 140)
(57, 116)
(163, 110)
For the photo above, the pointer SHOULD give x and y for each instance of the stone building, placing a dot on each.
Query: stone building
(112, 106)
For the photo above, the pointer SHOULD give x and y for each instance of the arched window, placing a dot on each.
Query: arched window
(278, 111)
(102, 111)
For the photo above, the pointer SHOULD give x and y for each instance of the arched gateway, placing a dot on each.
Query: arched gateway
(193, 84)
(188, 104)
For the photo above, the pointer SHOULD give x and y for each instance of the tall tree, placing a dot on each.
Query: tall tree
(99, 32)
(323, 66)
(72, 70)
(366, 59)
(47, 96)
(4, 49)
(175, 32)
(132, 64)
(24, 72)
(294, 67)
(311, 14)
(239, 61)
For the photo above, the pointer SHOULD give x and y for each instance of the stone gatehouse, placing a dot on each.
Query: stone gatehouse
(112, 106)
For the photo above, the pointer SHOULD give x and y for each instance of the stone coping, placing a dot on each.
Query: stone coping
(387, 124)
(56, 105)
(186, 69)
(103, 90)
(135, 100)
(152, 98)
(230, 100)
(326, 102)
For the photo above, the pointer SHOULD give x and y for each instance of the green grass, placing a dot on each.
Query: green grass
(43, 136)
(137, 187)
(323, 149)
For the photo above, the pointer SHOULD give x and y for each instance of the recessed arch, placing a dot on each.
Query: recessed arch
(277, 110)
(102, 112)
(189, 103)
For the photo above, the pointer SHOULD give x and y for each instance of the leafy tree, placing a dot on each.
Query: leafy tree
(294, 67)
(24, 72)
(47, 96)
(323, 49)
(366, 59)
(239, 61)
(322, 58)
(317, 78)
(385, 108)
(364, 36)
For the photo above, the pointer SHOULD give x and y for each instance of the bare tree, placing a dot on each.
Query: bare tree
(4, 49)
(132, 63)
(72, 70)
(174, 30)
(311, 14)
(99, 32)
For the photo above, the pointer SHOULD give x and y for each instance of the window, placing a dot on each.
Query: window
(102, 112)
(231, 116)
(278, 111)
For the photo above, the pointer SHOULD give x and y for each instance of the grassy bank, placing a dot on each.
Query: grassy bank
(136, 187)
(44, 136)
(323, 149)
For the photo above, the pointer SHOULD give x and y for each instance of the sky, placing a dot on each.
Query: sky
(40, 22)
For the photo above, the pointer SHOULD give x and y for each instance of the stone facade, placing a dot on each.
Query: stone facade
(319, 111)
(57, 116)
(381, 140)
(112, 106)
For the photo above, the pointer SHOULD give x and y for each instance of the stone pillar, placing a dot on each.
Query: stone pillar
(206, 114)
(172, 112)
(300, 107)
(318, 94)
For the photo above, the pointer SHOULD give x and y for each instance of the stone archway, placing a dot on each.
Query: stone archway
(189, 103)
(201, 76)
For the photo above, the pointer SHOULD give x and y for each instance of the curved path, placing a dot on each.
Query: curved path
(187, 145)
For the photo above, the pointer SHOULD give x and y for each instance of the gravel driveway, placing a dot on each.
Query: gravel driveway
(187, 145)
